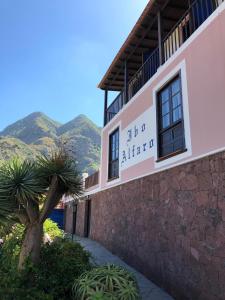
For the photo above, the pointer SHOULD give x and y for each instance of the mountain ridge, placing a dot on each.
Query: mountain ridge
(37, 133)
(42, 125)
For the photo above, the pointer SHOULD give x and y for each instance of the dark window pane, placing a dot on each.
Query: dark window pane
(165, 108)
(113, 155)
(165, 95)
(176, 100)
(177, 114)
(114, 139)
(178, 144)
(166, 121)
(167, 137)
(166, 150)
(175, 86)
(178, 131)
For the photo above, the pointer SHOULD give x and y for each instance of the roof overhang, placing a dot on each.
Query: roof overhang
(143, 38)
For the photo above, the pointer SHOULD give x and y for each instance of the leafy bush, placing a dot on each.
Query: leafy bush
(52, 229)
(52, 279)
(61, 261)
(11, 248)
(9, 256)
(107, 282)
(23, 294)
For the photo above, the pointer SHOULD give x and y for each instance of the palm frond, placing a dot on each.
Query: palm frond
(6, 211)
(63, 167)
(19, 183)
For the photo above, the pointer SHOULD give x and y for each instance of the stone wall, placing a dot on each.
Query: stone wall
(170, 226)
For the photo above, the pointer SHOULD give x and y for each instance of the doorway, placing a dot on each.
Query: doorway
(87, 226)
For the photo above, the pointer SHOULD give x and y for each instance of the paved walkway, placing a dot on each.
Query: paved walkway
(101, 256)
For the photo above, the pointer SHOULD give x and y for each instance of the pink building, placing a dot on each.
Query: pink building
(158, 200)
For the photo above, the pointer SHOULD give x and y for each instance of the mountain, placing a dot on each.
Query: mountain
(32, 127)
(14, 147)
(37, 133)
(82, 126)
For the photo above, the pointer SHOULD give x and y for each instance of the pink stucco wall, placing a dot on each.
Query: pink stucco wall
(204, 58)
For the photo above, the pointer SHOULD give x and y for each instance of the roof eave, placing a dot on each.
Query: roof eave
(146, 11)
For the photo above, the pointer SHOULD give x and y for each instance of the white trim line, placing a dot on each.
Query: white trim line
(161, 170)
(91, 192)
(162, 68)
(92, 188)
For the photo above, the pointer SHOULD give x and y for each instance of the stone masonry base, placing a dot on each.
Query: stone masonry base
(170, 226)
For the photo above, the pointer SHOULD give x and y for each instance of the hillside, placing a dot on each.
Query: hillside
(80, 126)
(37, 133)
(14, 147)
(32, 127)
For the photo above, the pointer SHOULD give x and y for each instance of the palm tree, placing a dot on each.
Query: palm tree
(29, 191)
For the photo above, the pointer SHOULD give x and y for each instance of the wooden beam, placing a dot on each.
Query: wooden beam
(160, 38)
(125, 83)
(151, 23)
(105, 107)
(113, 88)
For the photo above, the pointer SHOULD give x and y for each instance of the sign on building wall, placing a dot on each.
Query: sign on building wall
(137, 141)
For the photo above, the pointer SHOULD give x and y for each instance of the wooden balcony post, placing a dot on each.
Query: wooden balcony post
(161, 53)
(125, 100)
(105, 107)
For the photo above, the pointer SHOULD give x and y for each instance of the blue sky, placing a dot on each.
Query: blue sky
(53, 54)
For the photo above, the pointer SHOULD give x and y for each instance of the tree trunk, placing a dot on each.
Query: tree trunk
(31, 244)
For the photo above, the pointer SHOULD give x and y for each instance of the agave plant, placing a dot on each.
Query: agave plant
(109, 282)
(30, 190)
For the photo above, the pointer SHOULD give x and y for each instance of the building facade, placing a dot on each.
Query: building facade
(158, 200)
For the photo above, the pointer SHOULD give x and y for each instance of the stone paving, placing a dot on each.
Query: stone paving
(101, 256)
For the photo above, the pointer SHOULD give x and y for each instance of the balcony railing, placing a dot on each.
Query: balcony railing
(197, 13)
(147, 70)
(115, 106)
(92, 180)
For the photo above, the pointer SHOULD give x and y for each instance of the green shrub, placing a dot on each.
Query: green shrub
(106, 282)
(23, 294)
(52, 229)
(11, 248)
(60, 262)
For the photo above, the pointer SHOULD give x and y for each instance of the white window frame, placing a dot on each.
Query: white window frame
(179, 69)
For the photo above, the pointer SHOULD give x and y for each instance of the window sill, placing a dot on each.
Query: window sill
(171, 155)
(114, 178)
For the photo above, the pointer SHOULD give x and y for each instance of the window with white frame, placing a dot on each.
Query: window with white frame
(113, 169)
(171, 137)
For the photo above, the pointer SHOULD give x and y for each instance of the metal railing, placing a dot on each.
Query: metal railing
(115, 106)
(196, 14)
(147, 70)
(92, 180)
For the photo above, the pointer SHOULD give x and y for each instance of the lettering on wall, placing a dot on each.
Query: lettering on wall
(137, 141)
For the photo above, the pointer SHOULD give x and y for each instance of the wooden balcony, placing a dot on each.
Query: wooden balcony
(168, 42)
(92, 180)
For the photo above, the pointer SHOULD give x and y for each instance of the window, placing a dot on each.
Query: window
(170, 120)
(114, 155)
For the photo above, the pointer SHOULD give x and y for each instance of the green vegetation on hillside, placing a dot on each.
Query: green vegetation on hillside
(32, 127)
(37, 133)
